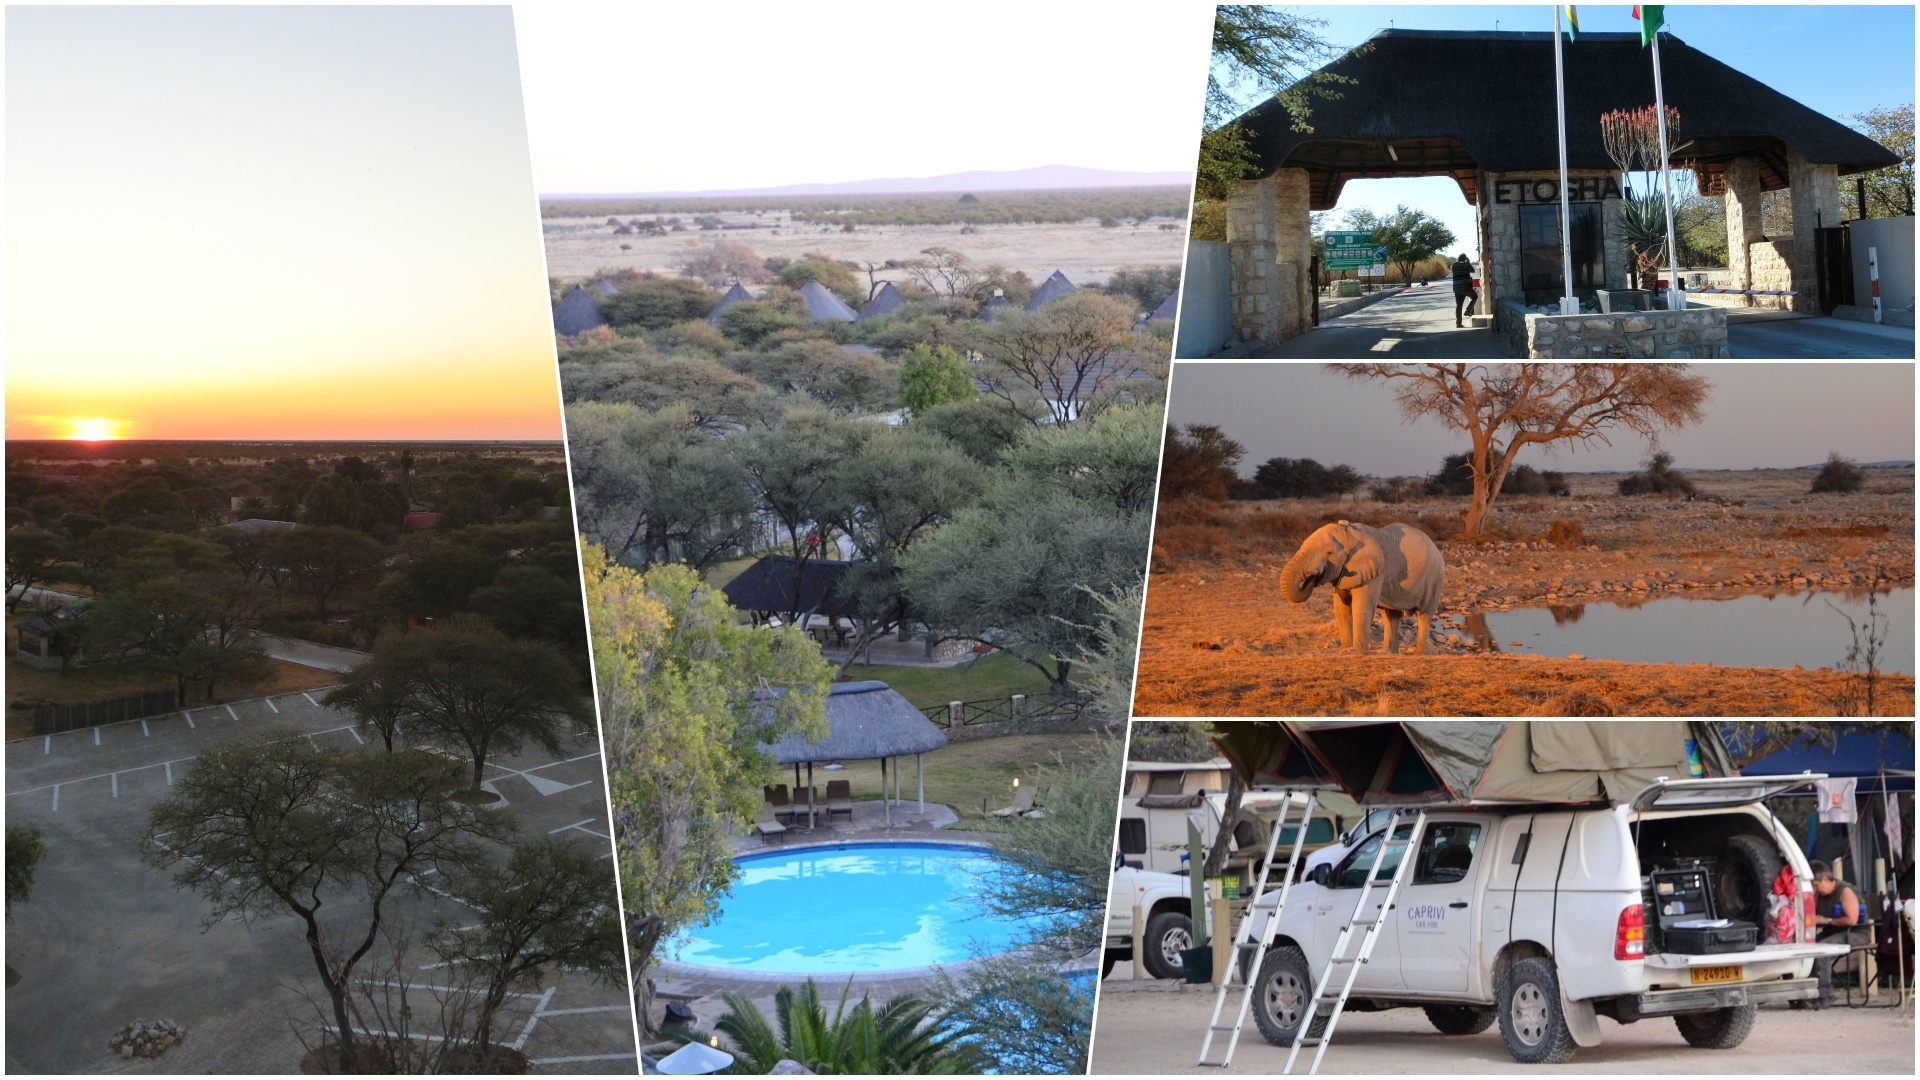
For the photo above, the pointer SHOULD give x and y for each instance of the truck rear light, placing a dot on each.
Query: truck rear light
(1807, 936)
(1630, 934)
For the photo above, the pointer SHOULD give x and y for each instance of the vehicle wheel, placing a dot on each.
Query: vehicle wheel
(1531, 1022)
(1460, 1019)
(1743, 879)
(1282, 994)
(1108, 959)
(1167, 934)
(1721, 1029)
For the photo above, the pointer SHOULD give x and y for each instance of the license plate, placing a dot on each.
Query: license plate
(1704, 975)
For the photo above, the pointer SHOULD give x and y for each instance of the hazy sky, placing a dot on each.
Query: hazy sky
(687, 97)
(1763, 415)
(296, 222)
(1864, 60)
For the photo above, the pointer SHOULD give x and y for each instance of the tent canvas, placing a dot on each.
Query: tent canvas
(1451, 762)
(1879, 766)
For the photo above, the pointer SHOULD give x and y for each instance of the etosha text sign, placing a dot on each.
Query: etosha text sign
(1579, 189)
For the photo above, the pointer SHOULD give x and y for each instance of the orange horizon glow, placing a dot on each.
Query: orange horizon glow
(93, 428)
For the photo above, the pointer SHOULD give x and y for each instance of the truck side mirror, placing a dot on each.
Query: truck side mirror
(1322, 875)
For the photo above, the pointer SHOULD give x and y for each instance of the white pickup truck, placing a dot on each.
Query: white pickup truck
(1165, 901)
(1544, 918)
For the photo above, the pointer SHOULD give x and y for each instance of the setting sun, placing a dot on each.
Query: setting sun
(93, 428)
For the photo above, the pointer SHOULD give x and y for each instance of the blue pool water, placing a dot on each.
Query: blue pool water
(857, 907)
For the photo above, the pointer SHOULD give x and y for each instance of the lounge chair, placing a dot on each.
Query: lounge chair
(776, 796)
(769, 827)
(1022, 803)
(839, 799)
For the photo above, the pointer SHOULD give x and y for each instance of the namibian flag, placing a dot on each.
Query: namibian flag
(1573, 23)
(1651, 16)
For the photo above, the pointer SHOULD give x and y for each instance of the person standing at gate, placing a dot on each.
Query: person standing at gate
(1463, 288)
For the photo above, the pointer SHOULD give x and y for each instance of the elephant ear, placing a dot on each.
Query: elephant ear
(1364, 561)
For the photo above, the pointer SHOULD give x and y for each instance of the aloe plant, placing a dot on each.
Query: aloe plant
(1643, 221)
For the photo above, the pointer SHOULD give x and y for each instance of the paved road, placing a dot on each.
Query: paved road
(106, 939)
(1157, 1029)
(1415, 325)
(311, 653)
(1780, 335)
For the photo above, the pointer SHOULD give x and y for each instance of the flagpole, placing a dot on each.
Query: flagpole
(1676, 297)
(1569, 304)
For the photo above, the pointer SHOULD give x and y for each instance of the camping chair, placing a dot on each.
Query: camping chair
(1022, 803)
(839, 799)
(776, 796)
(1862, 945)
(768, 826)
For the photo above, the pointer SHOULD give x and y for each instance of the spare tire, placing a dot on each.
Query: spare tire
(1743, 879)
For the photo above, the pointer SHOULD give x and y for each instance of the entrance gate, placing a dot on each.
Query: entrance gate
(1833, 255)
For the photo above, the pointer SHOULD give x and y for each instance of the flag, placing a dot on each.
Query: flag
(1573, 23)
(1651, 17)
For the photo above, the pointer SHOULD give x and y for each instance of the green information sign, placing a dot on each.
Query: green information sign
(1353, 251)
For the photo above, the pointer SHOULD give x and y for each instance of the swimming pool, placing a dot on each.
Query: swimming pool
(853, 908)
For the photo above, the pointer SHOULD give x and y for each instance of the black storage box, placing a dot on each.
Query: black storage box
(1681, 896)
(1736, 936)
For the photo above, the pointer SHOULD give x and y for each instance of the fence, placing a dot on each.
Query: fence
(53, 719)
(1020, 708)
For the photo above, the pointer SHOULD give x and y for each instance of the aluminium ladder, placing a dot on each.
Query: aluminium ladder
(1333, 1004)
(1243, 942)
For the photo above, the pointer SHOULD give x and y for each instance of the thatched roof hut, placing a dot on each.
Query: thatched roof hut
(781, 583)
(1055, 287)
(865, 720)
(823, 306)
(732, 297)
(577, 313)
(885, 302)
(998, 303)
(605, 287)
(1450, 102)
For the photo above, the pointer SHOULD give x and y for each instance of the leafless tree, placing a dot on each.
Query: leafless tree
(944, 271)
(1503, 407)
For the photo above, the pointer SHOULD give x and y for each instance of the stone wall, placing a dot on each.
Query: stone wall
(1269, 244)
(1693, 334)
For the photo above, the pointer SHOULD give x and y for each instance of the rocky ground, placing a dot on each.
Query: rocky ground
(1219, 638)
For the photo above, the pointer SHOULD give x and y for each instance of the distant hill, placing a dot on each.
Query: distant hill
(1869, 465)
(1041, 178)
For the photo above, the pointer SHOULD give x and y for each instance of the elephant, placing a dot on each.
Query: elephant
(1396, 569)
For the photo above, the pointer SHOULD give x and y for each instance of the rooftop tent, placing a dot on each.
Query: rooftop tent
(823, 306)
(1881, 765)
(1267, 753)
(1055, 287)
(732, 297)
(885, 302)
(577, 313)
(778, 583)
(1408, 111)
(1167, 308)
(1447, 762)
(865, 720)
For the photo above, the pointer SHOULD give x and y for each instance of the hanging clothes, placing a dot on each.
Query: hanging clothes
(1896, 846)
(1835, 797)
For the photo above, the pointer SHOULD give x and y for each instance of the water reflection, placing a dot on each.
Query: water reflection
(1755, 630)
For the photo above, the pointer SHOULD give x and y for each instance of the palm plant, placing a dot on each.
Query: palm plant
(902, 1037)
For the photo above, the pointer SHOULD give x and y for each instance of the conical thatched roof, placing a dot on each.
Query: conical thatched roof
(1167, 309)
(823, 306)
(732, 297)
(885, 302)
(1055, 287)
(577, 313)
(865, 720)
(1449, 102)
(998, 303)
(605, 287)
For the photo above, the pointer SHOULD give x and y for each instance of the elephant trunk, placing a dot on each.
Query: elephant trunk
(1297, 578)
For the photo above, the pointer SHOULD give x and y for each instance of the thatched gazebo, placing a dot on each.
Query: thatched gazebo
(577, 313)
(885, 302)
(1055, 287)
(866, 721)
(823, 306)
(733, 296)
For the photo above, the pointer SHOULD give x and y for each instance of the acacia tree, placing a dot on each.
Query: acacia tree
(1411, 237)
(1516, 405)
(687, 695)
(657, 487)
(31, 555)
(552, 905)
(1068, 360)
(793, 471)
(326, 560)
(1889, 190)
(274, 825)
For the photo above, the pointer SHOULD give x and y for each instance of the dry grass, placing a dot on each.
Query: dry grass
(27, 686)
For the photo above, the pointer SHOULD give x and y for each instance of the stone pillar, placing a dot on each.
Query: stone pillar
(1742, 201)
(1816, 204)
(1269, 244)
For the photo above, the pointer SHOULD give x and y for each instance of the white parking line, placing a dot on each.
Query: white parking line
(534, 1019)
(575, 825)
(235, 715)
(270, 704)
(116, 784)
(96, 736)
(309, 698)
(189, 717)
(56, 798)
(48, 746)
(581, 1057)
(588, 1009)
(356, 736)
(169, 766)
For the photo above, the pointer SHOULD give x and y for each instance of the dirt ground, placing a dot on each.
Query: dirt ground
(1156, 1030)
(580, 247)
(1220, 639)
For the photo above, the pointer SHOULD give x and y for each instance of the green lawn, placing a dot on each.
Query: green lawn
(719, 574)
(967, 774)
(995, 675)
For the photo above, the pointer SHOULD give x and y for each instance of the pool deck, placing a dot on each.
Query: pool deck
(869, 822)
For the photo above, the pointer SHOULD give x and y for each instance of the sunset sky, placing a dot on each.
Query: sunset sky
(272, 223)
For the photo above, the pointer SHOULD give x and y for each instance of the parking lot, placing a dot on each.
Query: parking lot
(106, 940)
(1155, 1027)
